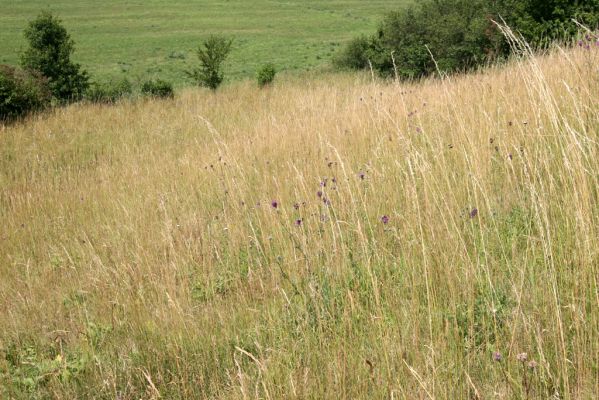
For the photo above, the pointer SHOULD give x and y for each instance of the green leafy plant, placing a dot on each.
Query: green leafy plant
(266, 75)
(109, 92)
(49, 52)
(212, 54)
(21, 92)
(158, 88)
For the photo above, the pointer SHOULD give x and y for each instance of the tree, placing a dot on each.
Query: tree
(212, 53)
(49, 52)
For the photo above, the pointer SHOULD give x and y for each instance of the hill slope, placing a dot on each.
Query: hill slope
(336, 239)
(159, 38)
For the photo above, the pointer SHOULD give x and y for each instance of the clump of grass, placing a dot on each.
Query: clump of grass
(445, 228)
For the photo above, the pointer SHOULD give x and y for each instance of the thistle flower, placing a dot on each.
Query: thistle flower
(298, 222)
(385, 219)
(522, 357)
(274, 204)
(497, 356)
(319, 193)
(474, 213)
(532, 364)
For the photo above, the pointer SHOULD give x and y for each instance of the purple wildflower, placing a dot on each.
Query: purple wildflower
(274, 204)
(532, 364)
(298, 222)
(361, 175)
(474, 213)
(522, 357)
(319, 193)
(497, 356)
(385, 219)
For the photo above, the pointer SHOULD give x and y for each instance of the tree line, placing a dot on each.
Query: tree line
(458, 35)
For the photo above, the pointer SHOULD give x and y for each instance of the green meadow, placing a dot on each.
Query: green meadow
(158, 38)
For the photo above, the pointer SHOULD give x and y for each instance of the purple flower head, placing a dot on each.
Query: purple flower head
(323, 183)
(361, 175)
(274, 204)
(497, 356)
(580, 43)
(522, 357)
(385, 219)
(326, 201)
(319, 193)
(532, 364)
(474, 213)
(298, 222)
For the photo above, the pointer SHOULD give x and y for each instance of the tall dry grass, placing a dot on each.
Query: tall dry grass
(142, 255)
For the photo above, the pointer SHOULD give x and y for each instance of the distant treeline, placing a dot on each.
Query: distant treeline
(457, 35)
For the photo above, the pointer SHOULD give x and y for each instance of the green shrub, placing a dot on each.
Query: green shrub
(212, 54)
(354, 55)
(49, 52)
(21, 92)
(458, 35)
(158, 88)
(109, 92)
(266, 75)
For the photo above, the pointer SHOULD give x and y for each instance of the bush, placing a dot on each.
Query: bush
(21, 92)
(354, 55)
(266, 75)
(109, 92)
(49, 52)
(158, 88)
(212, 54)
(458, 35)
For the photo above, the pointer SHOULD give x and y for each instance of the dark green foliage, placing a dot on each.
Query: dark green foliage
(354, 55)
(49, 52)
(266, 75)
(21, 92)
(457, 35)
(212, 54)
(158, 88)
(109, 92)
(542, 21)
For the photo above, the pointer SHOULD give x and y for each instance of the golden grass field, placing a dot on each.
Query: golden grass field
(329, 238)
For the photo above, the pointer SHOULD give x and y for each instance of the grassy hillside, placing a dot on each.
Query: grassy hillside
(159, 38)
(332, 239)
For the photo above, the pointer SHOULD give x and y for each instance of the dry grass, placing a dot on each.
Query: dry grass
(141, 256)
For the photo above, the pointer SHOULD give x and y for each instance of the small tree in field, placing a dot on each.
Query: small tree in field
(266, 75)
(212, 54)
(49, 52)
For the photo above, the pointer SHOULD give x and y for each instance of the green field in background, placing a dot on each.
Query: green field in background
(158, 38)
